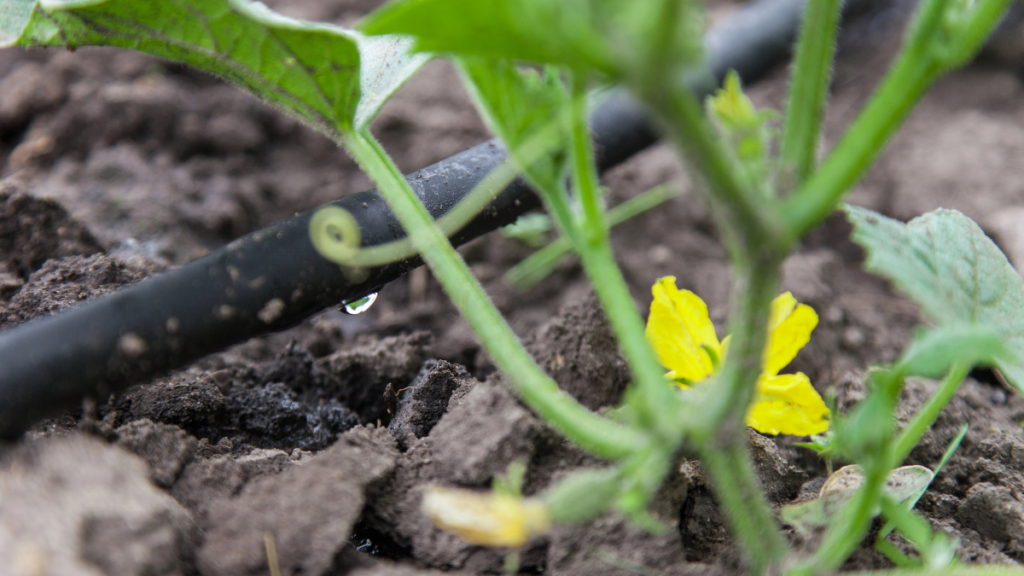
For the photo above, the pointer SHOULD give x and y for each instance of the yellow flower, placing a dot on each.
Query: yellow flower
(684, 338)
(487, 519)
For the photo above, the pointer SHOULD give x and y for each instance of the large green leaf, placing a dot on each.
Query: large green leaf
(946, 264)
(517, 29)
(616, 37)
(331, 78)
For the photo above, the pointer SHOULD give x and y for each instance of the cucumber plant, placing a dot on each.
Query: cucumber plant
(531, 67)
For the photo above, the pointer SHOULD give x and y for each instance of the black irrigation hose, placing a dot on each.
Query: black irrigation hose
(273, 278)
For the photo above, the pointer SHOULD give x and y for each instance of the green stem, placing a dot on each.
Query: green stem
(594, 433)
(660, 404)
(742, 499)
(902, 87)
(538, 265)
(347, 251)
(746, 218)
(812, 71)
(721, 430)
(925, 417)
(928, 53)
(752, 295)
(972, 37)
(584, 172)
(846, 531)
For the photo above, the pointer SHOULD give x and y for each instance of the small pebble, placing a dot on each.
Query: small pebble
(659, 254)
(853, 338)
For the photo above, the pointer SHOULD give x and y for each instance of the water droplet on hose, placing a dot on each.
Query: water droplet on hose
(359, 305)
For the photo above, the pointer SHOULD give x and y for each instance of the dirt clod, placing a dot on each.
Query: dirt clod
(65, 282)
(995, 513)
(207, 480)
(81, 507)
(361, 374)
(309, 510)
(33, 230)
(578, 349)
(427, 400)
(510, 430)
(166, 448)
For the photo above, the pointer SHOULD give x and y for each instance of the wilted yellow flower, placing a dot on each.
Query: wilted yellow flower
(684, 338)
(487, 519)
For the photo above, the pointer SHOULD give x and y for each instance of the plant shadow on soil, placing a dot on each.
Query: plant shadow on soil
(321, 439)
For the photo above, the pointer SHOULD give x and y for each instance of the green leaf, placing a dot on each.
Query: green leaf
(530, 229)
(14, 16)
(615, 37)
(934, 351)
(745, 130)
(944, 262)
(534, 30)
(331, 78)
(524, 109)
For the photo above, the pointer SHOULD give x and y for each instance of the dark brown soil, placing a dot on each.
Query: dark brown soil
(321, 439)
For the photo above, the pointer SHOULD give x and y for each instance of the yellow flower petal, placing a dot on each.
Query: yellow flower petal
(790, 326)
(782, 306)
(486, 519)
(788, 404)
(678, 327)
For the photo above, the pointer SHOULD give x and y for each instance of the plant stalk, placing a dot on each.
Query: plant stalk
(660, 404)
(744, 217)
(847, 530)
(752, 295)
(742, 499)
(751, 228)
(805, 109)
(928, 413)
(902, 87)
(927, 55)
(594, 433)
(721, 431)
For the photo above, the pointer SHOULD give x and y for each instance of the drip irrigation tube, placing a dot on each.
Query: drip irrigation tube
(273, 279)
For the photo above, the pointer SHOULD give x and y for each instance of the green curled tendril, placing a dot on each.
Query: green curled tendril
(335, 232)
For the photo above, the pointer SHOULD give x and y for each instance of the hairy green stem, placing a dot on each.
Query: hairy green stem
(752, 295)
(345, 249)
(658, 399)
(928, 54)
(594, 433)
(812, 70)
(721, 429)
(742, 499)
(584, 172)
(928, 413)
(745, 217)
(902, 87)
(751, 227)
